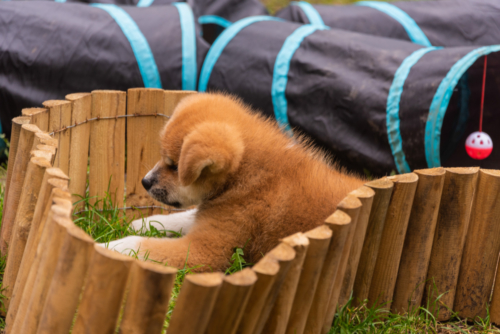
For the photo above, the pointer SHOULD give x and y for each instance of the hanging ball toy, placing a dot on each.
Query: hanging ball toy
(478, 145)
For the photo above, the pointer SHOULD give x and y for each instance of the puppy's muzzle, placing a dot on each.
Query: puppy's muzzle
(147, 183)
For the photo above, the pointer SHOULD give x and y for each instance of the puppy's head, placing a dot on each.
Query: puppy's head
(198, 166)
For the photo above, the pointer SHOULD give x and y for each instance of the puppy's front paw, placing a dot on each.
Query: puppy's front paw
(128, 245)
(144, 224)
(180, 222)
(139, 225)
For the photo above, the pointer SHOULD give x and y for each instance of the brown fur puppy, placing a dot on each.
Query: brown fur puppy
(251, 182)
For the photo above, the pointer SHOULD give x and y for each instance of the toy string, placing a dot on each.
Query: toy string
(482, 95)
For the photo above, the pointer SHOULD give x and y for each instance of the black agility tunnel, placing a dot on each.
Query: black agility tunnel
(138, 3)
(48, 50)
(375, 103)
(438, 23)
(213, 15)
(225, 12)
(219, 12)
(217, 15)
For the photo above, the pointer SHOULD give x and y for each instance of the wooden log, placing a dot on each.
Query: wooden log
(365, 195)
(231, 302)
(351, 205)
(67, 283)
(383, 192)
(148, 298)
(266, 270)
(338, 223)
(50, 246)
(107, 146)
(22, 223)
(15, 133)
(495, 301)
(280, 313)
(43, 138)
(50, 149)
(103, 292)
(55, 193)
(53, 178)
(143, 144)
(449, 238)
(54, 185)
(44, 155)
(393, 237)
(44, 142)
(285, 255)
(22, 293)
(59, 118)
(480, 255)
(44, 146)
(81, 104)
(418, 242)
(23, 156)
(195, 303)
(173, 97)
(38, 117)
(319, 240)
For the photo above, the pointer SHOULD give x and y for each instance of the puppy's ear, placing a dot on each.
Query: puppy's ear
(216, 146)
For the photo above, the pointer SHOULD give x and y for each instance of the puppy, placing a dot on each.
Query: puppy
(252, 185)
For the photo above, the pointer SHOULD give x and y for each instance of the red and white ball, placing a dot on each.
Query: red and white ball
(479, 145)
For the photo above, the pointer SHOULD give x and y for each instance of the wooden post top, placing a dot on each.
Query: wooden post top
(319, 233)
(111, 254)
(363, 192)
(404, 178)
(339, 218)
(492, 172)
(462, 170)
(76, 96)
(245, 277)
(55, 103)
(31, 128)
(267, 266)
(21, 120)
(80, 234)
(33, 111)
(349, 202)
(205, 280)
(282, 252)
(431, 171)
(156, 268)
(297, 239)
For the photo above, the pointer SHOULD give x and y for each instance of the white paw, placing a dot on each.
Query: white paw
(128, 245)
(177, 222)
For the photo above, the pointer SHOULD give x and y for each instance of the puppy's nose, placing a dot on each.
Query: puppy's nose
(147, 183)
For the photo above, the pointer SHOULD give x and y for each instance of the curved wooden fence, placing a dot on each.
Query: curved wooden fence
(398, 241)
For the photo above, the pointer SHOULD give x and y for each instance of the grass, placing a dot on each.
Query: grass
(275, 5)
(238, 261)
(376, 319)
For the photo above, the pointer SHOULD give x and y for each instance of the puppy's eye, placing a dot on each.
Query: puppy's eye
(168, 161)
(173, 168)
